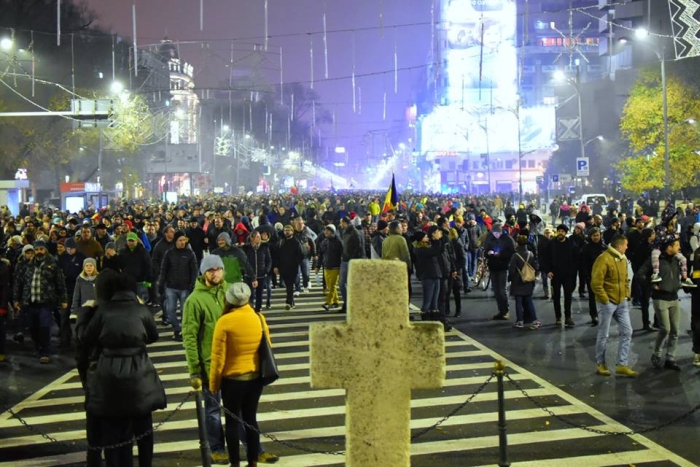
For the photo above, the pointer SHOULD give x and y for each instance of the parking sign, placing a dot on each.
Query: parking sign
(582, 167)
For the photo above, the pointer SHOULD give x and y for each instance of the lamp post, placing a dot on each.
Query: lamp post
(660, 51)
(576, 83)
(520, 155)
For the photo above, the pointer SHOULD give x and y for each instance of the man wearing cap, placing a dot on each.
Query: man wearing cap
(177, 277)
(499, 248)
(37, 292)
(329, 256)
(561, 263)
(236, 266)
(88, 246)
(378, 238)
(136, 262)
(101, 235)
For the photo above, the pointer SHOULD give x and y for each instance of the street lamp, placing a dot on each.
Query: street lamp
(6, 43)
(116, 87)
(597, 138)
(660, 51)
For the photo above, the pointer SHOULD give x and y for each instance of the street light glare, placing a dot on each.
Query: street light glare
(600, 137)
(641, 33)
(6, 43)
(117, 87)
(559, 75)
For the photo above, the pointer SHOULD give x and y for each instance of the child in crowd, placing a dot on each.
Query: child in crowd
(665, 231)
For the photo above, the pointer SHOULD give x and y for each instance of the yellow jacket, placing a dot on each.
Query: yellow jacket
(234, 349)
(609, 280)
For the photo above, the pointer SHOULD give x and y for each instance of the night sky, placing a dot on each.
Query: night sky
(291, 24)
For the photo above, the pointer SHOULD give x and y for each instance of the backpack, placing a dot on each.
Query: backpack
(527, 272)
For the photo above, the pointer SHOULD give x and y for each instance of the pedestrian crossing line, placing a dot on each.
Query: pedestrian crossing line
(430, 402)
(612, 425)
(184, 389)
(38, 395)
(315, 433)
(57, 401)
(630, 458)
(286, 344)
(290, 355)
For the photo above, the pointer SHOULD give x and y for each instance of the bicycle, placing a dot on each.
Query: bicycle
(482, 277)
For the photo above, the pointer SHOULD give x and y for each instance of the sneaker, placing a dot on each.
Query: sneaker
(499, 316)
(655, 277)
(671, 365)
(177, 336)
(518, 324)
(326, 307)
(624, 370)
(307, 289)
(656, 361)
(44, 360)
(535, 325)
(594, 322)
(288, 307)
(558, 323)
(569, 323)
(696, 360)
(219, 457)
(296, 294)
(602, 370)
(268, 306)
(688, 283)
(267, 458)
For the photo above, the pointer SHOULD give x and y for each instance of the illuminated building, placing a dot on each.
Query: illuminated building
(492, 125)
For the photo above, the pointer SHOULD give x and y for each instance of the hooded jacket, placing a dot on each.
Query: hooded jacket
(202, 310)
(240, 234)
(137, 263)
(236, 266)
(124, 383)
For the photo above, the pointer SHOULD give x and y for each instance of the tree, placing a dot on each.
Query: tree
(642, 126)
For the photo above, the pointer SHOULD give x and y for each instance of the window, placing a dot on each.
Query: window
(509, 164)
(531, 164)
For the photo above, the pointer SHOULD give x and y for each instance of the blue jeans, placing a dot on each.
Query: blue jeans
(431, 295)
(302, 275)
(472, 256)
(343, 280)
(170, 305)
(620, 313)
(212, 414)
(525, 309)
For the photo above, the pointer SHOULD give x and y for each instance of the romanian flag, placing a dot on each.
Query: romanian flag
(293, 190)
(391, 201)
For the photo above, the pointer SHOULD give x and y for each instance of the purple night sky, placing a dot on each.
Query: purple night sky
(242, 21)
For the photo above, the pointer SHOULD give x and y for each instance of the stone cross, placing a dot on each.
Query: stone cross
(378, 356)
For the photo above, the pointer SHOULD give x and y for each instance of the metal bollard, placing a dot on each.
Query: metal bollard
(204, 447)
(500, 370)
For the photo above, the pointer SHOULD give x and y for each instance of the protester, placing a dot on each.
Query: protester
(526, 315)
(178, 274)
(235, 369)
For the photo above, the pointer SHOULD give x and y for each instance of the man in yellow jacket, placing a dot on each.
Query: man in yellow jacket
(611, 286)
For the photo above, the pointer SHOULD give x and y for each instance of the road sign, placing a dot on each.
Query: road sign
(582, 167)
(555, 178)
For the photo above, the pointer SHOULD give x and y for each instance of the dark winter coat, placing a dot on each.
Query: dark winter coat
(428, 258)
(589, 254)
(53, 284)
(518, 288)
(290, 256)
(504, 245)
(159, 251)
(196, 238)
(560, 258)
(260, 259)
(179, 269)
(330, 253)
(71, 266)
(353, 247)
(137, 263)
(123, 383)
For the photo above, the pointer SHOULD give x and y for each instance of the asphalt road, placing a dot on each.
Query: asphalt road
(556, 367)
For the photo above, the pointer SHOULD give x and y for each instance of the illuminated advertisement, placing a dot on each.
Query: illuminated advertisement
(481, 56)
(450, 130)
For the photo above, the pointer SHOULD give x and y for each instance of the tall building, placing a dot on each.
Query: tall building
(184, 101)
(492, 124)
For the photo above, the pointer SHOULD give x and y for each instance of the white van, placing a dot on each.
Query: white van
(592, 198)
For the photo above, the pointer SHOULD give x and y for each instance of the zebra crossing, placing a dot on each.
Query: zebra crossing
(314, 419)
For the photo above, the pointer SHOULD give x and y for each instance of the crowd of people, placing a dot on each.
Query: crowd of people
(218, 258)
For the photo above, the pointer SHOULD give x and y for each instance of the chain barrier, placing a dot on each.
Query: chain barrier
(87, 447)
(596, 430)
(298, 447)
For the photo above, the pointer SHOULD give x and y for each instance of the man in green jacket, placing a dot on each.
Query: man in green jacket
(203, 308)
(236, 266)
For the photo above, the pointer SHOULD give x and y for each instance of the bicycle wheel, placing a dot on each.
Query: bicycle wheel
(485, 280)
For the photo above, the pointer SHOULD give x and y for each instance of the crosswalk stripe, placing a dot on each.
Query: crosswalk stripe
(289, 330)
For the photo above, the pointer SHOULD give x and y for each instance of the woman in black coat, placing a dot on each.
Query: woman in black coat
(594, 248)
(123, 388)
(642, 253)
(460, 263)
(522, 291)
